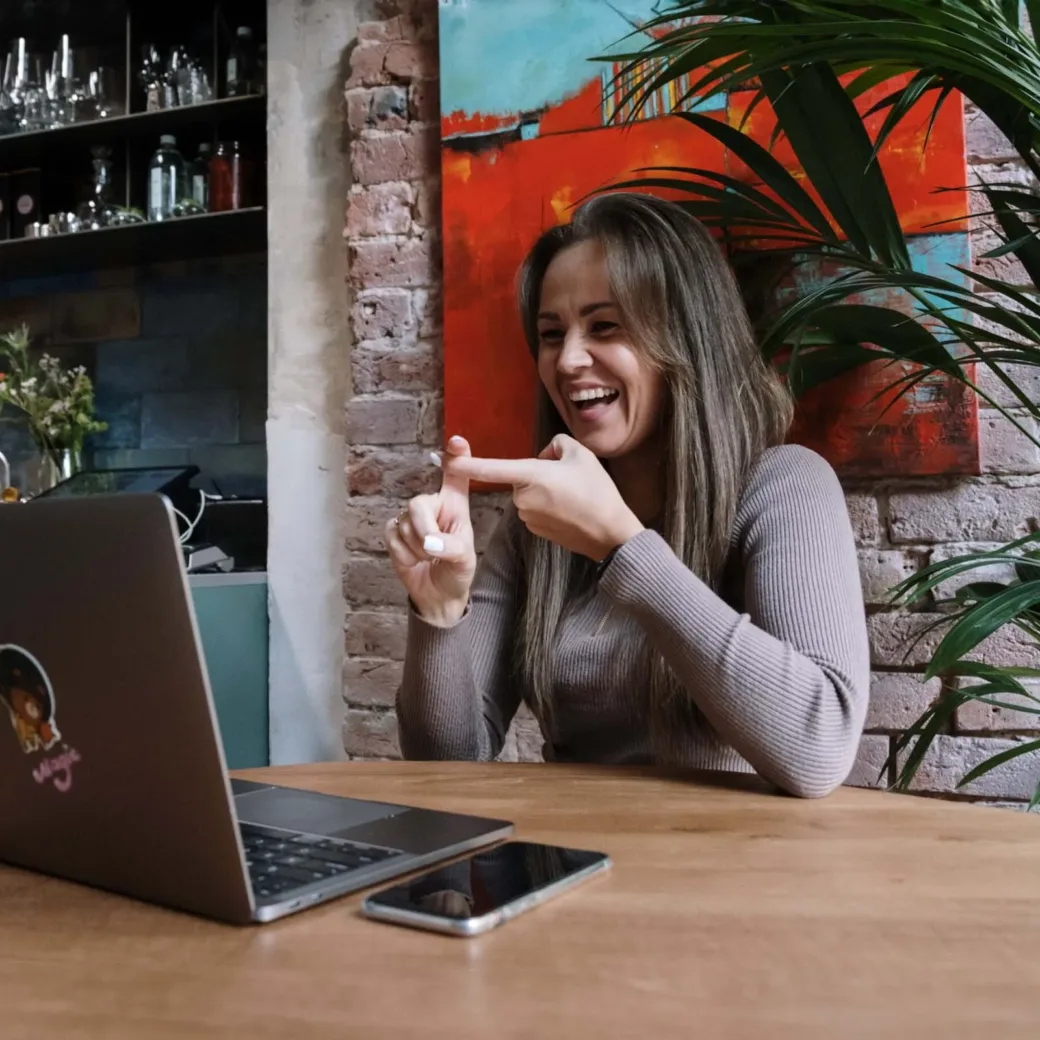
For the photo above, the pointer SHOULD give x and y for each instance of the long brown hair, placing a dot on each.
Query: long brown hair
(724, 405)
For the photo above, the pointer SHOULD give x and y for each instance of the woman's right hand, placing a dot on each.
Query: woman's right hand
(431, 548)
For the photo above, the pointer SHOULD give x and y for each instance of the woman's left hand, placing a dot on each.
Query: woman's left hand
(565, 495)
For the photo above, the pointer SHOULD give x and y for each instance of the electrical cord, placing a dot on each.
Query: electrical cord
(192, 524)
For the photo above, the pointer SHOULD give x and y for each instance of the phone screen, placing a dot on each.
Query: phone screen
(488, 881)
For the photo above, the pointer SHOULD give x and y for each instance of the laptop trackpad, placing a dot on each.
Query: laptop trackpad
(306, 811)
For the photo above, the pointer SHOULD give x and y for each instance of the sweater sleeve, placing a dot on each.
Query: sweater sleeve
(786, 683)
(457, 697)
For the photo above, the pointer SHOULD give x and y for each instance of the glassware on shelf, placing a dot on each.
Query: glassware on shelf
(167, 183)
(36, 106)
(63, 90)
(178, 81)
(104, 93)
(176, 62)
(150, 76)
(241, 64)
(98, 211)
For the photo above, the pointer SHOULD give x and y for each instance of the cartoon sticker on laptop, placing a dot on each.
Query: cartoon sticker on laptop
(26, 692)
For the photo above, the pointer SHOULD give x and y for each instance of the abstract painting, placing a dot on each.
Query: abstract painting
(530, 126)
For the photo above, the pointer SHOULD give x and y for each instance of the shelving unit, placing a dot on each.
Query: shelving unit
(116, 31)
(209, 234)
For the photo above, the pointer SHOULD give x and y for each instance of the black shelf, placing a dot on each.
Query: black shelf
(21, 150)
(186, 238)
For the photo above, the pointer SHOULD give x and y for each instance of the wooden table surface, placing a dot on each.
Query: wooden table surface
(729, 913)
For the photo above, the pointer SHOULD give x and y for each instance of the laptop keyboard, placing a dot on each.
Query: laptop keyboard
(279, 861)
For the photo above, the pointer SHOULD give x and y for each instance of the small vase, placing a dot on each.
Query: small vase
(48, 468)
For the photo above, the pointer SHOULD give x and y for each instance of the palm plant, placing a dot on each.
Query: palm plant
(811, 61)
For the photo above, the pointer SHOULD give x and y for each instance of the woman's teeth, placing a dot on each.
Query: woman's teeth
(585, 398)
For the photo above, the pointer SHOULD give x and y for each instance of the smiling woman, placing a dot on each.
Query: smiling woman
(674, 585)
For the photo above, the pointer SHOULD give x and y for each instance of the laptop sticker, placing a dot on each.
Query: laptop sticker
(26, 692)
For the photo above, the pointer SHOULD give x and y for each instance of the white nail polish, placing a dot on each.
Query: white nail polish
(433, 544)
(435, 458)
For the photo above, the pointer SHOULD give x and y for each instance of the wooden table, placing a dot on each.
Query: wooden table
(729, 913)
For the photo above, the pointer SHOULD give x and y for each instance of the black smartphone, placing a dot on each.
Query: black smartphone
(476, 894)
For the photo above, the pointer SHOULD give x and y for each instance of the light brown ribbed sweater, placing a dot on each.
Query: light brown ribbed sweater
(778, 664)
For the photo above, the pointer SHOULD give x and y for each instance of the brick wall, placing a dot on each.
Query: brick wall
(395, 415)
(178, 353)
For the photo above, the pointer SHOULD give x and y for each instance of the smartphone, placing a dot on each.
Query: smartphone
(476, 894)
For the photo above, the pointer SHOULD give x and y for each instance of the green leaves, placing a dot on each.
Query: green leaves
(856, 298)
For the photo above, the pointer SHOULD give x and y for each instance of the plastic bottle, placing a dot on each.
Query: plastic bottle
(167, 183)
(241, 64)
(200, 177)
(229, 178)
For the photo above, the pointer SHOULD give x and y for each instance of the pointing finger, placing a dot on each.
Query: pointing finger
(496, 471)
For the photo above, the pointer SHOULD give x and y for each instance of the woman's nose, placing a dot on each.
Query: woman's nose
(575, 355)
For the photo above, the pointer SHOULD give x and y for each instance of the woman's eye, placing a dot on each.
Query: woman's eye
(551, 335)
(601, 328)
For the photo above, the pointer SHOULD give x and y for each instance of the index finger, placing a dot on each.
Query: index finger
(496, 471)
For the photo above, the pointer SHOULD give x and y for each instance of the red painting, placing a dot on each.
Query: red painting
(514, 166)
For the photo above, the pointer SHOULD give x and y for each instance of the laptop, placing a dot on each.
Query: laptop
(112, 770)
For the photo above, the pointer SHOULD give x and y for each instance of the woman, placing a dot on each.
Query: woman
(673, 585)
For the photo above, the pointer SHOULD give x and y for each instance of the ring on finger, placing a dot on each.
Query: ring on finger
(400, 518)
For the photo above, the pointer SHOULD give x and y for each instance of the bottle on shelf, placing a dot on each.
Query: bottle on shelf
(200, 177)
(167, 183)
(241, 64)
(229, 178)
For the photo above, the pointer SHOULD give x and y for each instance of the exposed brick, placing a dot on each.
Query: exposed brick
(980, 717)
(408, 61)
(382, 314)
(1005, 449)
(88, 317)
(377, 108)
(368, 65)
(377, 634)
(366, 522)
(863, 512)
(392, 474)
(429, 312)
(950, 758)
(984, 142)
(380, 209)
(370, 734)
(970, 511)
(1026, 377)
(870, 761)
(371, 683)
(424, 101)
(991, 572)
(371, 581)
(397, 156)
(382, 419)
(382, 32)
(381, 365)
(431, 429)
(881, 569)
(428, 204)
(891, 635)
(898, 699)
(408, 263)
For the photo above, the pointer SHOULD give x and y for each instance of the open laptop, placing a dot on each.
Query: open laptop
(112, 770)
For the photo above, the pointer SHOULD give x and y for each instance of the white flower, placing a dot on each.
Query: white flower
(29, 384)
